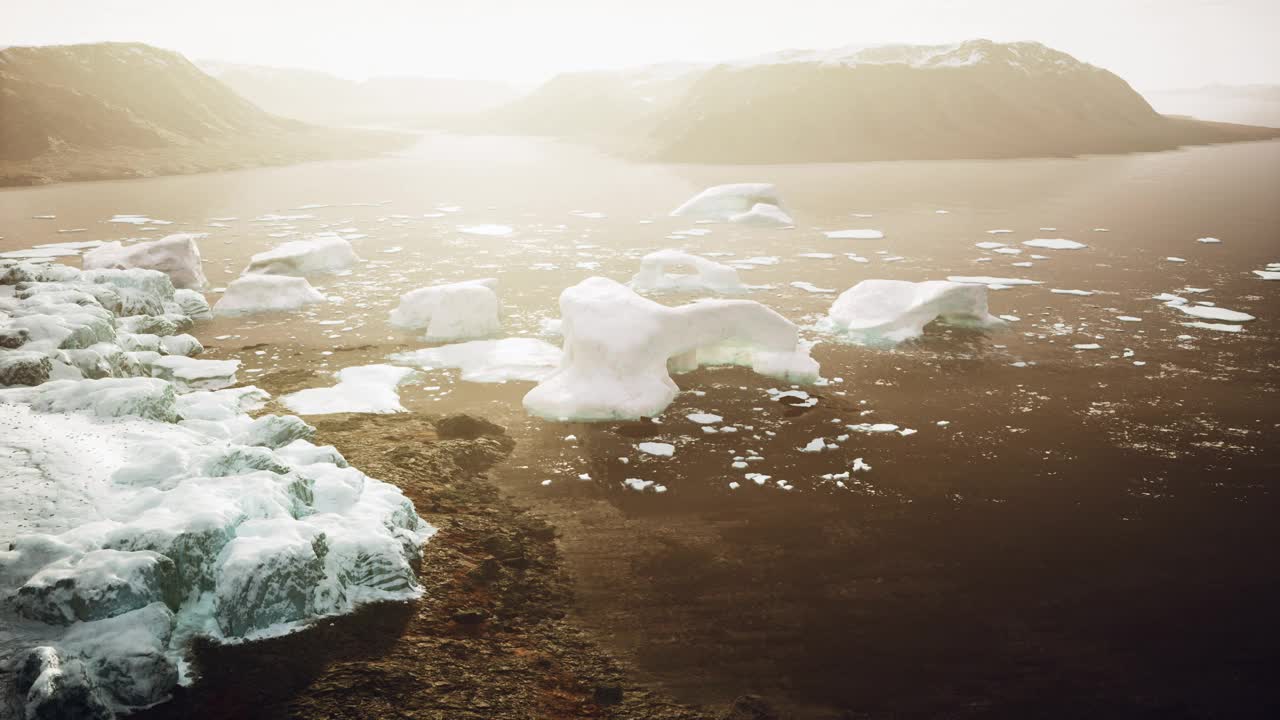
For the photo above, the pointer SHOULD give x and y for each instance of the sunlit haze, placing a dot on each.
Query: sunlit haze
(1152, 43)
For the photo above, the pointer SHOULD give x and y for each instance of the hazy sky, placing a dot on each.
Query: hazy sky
(1152, 43)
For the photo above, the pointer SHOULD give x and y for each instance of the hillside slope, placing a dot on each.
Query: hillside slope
(976, 99)
(110, 110)
(319, 97)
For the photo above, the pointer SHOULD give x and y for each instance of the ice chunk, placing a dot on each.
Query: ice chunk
(489, 360)
(855, 234)
(192, 304)
(739, 202)
(1268, 274)
(1071, 292)
(620, 347)
(328, 253)
(192, 374)
(24, 367)
(704, 418)
(1219, 327)
(263, 293)
(490, 230)
(1207, 312)
(657, 448)
(896, 310)
(362, 389)
(992, 283)
(1055, 244)
(455, 311)
(990, 245)
(96, 585)
(1208, 240)
(107, 397)
(655, 275)
(177, 256)
(810, 287)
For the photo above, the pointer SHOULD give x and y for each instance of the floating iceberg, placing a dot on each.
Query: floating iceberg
(655, 275)
(455, 311)
(747, 203)
(177, 256)
(896, 310)
(321, 254)
(363, 389)
(619, 350)
(489, 361)
(265, 293)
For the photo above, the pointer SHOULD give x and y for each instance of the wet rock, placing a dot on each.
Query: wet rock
(24, 368)
(13, 337)
(751, 707)
(607, 694)
(470, 616)
(466, 427)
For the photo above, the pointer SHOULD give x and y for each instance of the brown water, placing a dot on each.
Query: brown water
(1086, 534)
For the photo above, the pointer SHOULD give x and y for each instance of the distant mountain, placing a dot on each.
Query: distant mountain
(975, 99)
(326, 99)
(1250, 104)
(110, 110)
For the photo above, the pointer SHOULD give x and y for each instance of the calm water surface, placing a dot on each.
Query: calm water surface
(1082, 529)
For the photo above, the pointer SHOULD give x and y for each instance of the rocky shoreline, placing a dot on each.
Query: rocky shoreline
(488, 639)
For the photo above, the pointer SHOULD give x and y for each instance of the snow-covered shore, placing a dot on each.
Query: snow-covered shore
(141, 505)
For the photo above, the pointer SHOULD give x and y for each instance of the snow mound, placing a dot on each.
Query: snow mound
(265, 293)
(328, 253)
(620, 348)
(177, 256)
(455, 311)
(489, 361)
(654, 275)
(747, 203)
(891, 311)
(363, 389)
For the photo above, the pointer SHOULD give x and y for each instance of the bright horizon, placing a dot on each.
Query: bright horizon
(1154, 44)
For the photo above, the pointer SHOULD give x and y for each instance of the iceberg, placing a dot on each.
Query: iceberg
(328, 253)
(455, 311)
(177, 256)
(891, 311)
(747, 203)
(265, 293)
(620, 348)
(655, 275)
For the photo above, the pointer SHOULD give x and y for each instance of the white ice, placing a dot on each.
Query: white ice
(655, 273)
(1055, 244)
(619, 350)
(488, 361)
(751, 203)
(177, 256)
(455, 311)
(896, 310)
(327, 253)
(266, 293)
(855, 234)
(360, 389)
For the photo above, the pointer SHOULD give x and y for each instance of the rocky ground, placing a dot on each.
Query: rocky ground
(489, 639)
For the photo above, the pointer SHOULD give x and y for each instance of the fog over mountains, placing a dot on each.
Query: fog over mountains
(127, 109)
(976, 99)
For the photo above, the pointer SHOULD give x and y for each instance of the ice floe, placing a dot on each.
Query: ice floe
(1207, 312)
(892, 311)
(487, 230)
(1055, 244)
(489, 361)
(854, 234)
(992, 283)
(619, 350)
(360, 389)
